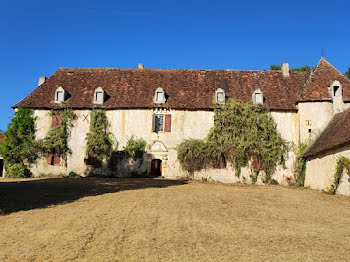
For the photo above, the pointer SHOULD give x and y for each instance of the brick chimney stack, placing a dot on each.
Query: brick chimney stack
(285, 69)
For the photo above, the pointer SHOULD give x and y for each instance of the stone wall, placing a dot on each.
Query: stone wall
(320, 171)
(161, 145)
(313, 116)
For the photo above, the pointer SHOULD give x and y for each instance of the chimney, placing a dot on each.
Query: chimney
(285, 69)
(140, 66)
(42, 80)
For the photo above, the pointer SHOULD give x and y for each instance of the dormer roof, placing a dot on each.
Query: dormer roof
(317, 86)
(186, 89)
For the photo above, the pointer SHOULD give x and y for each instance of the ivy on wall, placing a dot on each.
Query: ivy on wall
(99, 139)
(56, 141)
(342, 163)
(299, 167)
(241, 131)
(20, 149)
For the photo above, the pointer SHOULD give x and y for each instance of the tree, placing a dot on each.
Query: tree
(347, 73)
(19, 148)
(299, 69)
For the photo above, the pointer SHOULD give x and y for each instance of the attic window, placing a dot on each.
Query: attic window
(336, 91)
(159, 96)
(220, 96)
(99, 96)
(60, 95)
(258, 97)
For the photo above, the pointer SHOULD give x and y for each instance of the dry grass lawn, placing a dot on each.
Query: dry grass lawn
(160, 220)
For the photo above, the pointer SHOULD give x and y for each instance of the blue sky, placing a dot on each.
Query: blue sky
(38, 37)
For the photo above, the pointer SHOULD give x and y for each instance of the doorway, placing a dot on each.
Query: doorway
(1, 166)
(156, 167)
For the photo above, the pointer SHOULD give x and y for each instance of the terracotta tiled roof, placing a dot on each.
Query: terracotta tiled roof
(333, 136)
(2, 138)
(186, 89)
(316, 87)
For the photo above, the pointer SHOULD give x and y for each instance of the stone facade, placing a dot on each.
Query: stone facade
(302, 105)
(320, 171)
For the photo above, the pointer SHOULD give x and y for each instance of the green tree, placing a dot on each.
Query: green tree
(347, 73)
(301, 69)
(19, 148)
(275, 67)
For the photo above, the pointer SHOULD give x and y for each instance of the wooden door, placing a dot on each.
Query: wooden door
(156, 167)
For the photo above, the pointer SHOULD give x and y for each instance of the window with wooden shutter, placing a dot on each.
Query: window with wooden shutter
(167, 125)
(256, 164)
(50, 159)
(57, 160)
(56, 120)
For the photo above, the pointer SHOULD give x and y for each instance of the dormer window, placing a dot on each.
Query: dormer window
(159, 96)
(336, 89)
(220, 96)
(60, 95)
(258, 97)
(99, 96)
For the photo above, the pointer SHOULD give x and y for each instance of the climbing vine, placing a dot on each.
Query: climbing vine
(241, 131)
(300, 165)
(99, 139)
(19, 148)
(56, 141)
(342, 163)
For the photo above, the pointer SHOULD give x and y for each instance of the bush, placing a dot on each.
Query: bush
(17, 170)
(135, 147)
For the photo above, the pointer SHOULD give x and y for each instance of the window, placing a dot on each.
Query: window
(54, 160)
(161, 123)
(336, 91)
(159, 119)
(56, 120)
(220, 96)
(60, 95)
(159, 96)
(258, 97)
(99, 96)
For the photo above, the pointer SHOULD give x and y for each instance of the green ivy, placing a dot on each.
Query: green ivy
(99, 139)
(56, 141)
(135, 148)
(342, 163)
(300, 165)
(240, 132)
(19, 148)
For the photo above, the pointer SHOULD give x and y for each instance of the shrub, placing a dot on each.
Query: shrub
(19, 148)
(135, 147)
(99, 139)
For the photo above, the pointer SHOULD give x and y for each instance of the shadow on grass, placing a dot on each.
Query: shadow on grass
(31, 194)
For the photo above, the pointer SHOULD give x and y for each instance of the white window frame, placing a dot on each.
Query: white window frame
(159, 100)
(218, 92)
(64, 95)
(254, 97)
(99, 90)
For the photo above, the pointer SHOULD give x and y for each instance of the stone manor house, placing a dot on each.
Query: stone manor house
(164, 107)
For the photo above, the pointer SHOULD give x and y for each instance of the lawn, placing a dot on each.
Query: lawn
(91, 219)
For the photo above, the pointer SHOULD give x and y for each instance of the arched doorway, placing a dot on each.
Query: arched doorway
(156, 167)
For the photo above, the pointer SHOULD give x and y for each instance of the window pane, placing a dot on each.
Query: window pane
(259, 98)
(99, 97)
(59, 96)
(220, 97)
(160, 96)
(159, 123)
